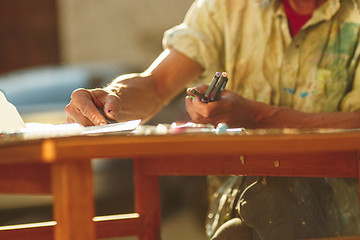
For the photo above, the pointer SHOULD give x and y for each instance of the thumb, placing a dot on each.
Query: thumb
(112, 107)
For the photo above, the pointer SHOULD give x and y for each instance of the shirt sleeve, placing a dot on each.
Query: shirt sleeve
(200, 36)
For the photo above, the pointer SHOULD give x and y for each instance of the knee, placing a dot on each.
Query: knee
(233, 229)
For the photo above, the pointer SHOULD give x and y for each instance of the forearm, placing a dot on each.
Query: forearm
(134, 96)
(267, 116)
(138, 95)
(146, 93)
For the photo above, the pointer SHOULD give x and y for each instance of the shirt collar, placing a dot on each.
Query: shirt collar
(324, 12)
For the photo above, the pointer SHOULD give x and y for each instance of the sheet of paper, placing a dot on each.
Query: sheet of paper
(44, 130)
(112, 127)
(41, 130)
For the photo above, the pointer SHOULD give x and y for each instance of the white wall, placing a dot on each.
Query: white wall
(125, 32)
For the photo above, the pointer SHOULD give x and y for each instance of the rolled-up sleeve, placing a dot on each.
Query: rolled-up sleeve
(200, 36)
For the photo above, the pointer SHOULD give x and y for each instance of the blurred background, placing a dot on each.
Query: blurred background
(51, 47)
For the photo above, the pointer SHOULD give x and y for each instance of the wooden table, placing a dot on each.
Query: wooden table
(62, 167)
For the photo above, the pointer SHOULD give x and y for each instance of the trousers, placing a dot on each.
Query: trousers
(286, 208)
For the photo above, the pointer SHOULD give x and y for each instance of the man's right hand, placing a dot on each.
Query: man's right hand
(85, 104)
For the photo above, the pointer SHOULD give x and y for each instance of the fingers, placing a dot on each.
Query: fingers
(83, 110)
(75, 116)
(197, 110)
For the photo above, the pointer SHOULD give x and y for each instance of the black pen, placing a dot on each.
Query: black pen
(211, 87)
(219, 87)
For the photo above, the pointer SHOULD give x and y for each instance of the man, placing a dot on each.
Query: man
(291, 63)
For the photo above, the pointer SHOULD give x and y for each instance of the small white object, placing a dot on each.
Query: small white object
(10, 119)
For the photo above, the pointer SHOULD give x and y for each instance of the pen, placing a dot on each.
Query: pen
(211, 87)
(220, 85)
(195, 92)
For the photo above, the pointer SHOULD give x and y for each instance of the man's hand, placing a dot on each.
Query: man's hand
(231, 109)
(86, 106)
(130, 97)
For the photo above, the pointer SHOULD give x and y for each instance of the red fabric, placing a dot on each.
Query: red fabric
(296, 21)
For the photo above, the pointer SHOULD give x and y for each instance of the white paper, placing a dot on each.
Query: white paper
(113, 127)
(41, 130)
(45, 130)
(10, 119)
